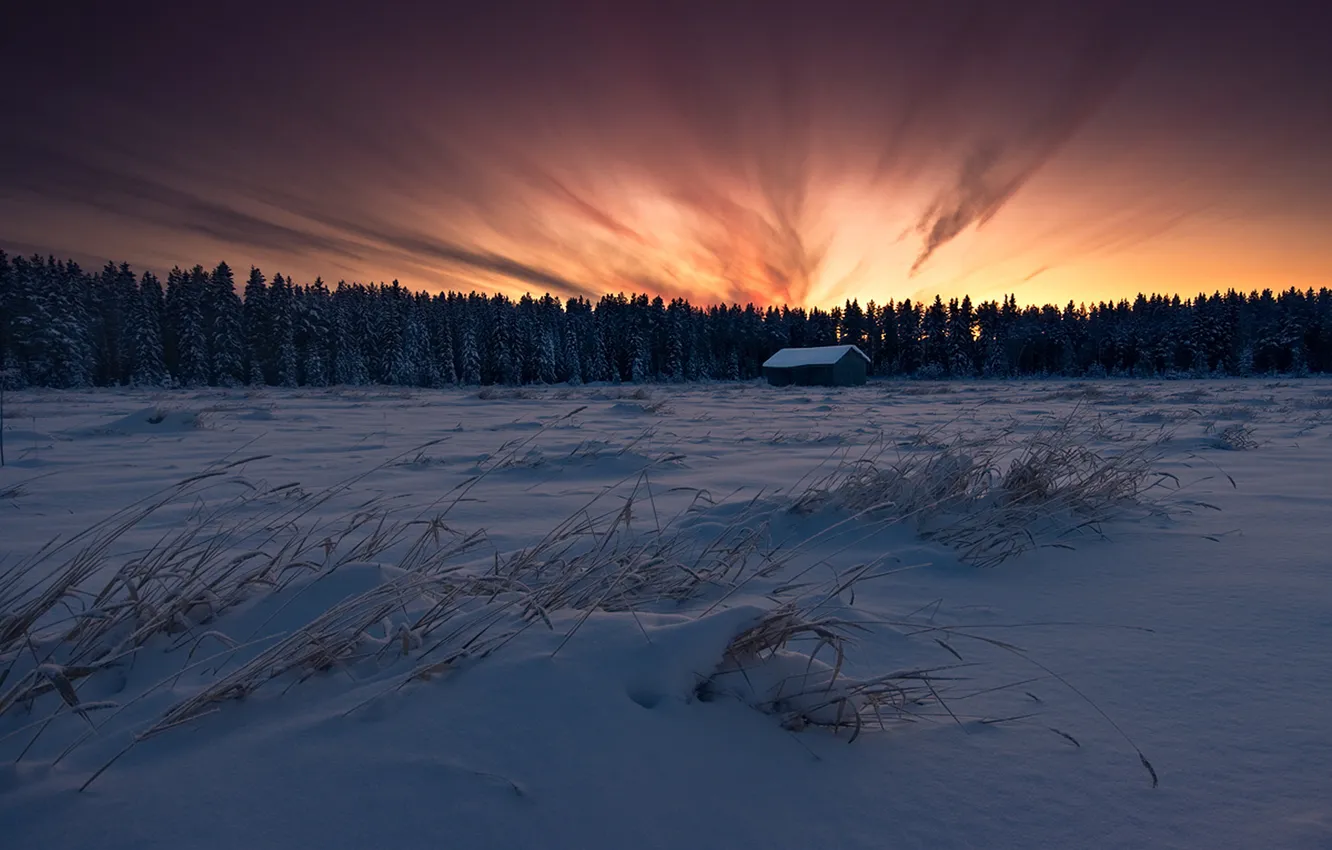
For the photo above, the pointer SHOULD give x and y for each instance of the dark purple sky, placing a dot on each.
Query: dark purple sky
(775, 151)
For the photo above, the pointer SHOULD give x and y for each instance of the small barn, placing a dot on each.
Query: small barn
(824, 365)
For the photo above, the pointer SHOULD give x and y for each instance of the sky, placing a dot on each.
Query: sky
(777, 152)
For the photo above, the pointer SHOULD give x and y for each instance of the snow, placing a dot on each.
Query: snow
(821, 355)
(1199, 631)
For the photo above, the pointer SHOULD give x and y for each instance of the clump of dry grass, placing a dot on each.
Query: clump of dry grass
(14, 491)
(1236, 438)
(805, 691)
(1233, 413)
(660, 407)
(421, 460)
(999, 495)
(628, 392)
(778, 438)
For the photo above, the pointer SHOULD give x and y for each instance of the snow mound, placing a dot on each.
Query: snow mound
(680, 653)
(647, 408)
(156, 420)
(258, 414)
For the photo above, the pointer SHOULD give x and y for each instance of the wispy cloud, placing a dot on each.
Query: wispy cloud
(752, 151)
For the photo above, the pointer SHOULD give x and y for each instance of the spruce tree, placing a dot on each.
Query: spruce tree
(639, 370)
(443, 347)
(52, 334)
(226, 336)
(192, 342)
(572, 358)
(8, 304)
(545, 365)
(316, 375)
(471, 358)
(282, 328)
(145, 336)
(313, 333)
(599, 367)
(349, 365)
(501, 364)
(675, 366)
(113, 298)
(417, 365)
(257, 320)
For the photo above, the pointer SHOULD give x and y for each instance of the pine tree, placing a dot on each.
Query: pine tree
(640, 369)
(114, 293)
(289, 371)
(471, 359)
(192, 342)
(257, 320)
(572, 358)
(226, 336)
(675, 359)
(145, 336)
(502, 365)
(349, 365)
(313, 334)
(9, 302)
(934, 329)
(961, 339)
(443, 346)
(599, 366)
(51, 329)
(282, 328)
(316, 374)
(418, 366)
(545, 365)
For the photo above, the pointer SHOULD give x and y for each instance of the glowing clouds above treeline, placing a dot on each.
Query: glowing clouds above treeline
(769, 152)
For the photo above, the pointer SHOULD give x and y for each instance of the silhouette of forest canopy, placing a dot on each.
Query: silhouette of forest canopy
(63, 327)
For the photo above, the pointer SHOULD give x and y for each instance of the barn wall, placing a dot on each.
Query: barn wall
(822, 376)
(850, 370)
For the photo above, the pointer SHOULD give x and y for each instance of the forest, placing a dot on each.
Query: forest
(61, 326)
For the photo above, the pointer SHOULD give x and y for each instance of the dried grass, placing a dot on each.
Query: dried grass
(1236, 438)
(994, 497)
(813, 693)
(80, 607)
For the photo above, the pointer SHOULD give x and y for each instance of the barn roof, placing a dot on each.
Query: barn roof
(823, 355)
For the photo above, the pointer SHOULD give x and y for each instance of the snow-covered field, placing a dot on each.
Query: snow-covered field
(547, 617)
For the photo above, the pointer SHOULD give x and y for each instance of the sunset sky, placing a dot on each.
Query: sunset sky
(775, 152)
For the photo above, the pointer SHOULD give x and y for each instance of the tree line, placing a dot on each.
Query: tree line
(63, 327)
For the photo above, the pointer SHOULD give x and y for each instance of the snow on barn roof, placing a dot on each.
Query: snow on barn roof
(823, 355)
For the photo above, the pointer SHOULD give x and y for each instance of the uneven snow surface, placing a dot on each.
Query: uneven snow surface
(605, 706)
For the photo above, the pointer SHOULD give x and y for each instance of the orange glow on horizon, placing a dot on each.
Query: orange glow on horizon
(733, 154)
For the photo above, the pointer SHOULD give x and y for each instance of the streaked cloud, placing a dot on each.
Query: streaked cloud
(736, 151)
